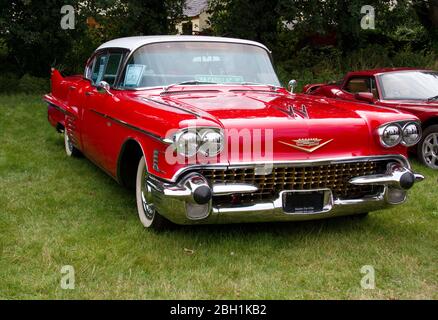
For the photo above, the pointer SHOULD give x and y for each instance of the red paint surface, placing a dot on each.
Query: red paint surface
(352, 126)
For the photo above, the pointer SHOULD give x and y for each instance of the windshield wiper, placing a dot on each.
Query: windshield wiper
(188, 82)
(433, 98)
(271, 86)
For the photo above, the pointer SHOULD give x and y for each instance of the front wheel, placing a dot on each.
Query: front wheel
(428, 147)
(147, 213)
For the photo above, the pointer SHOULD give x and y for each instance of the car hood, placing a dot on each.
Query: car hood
(282, 125)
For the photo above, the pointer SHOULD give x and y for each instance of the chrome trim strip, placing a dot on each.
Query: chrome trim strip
(295, 163)
(127, 125)
(172, 106)
(392, 177)
(51, 104)
(228, 188)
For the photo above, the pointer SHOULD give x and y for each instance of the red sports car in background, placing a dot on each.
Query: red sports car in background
(404, 89)
(200, 128)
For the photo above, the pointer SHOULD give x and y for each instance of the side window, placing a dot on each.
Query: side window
(98, 68)
(105, 67)
(355, 85)
(112, 66)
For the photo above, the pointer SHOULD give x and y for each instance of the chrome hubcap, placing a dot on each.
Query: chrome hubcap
(146, 197)
(430, 150)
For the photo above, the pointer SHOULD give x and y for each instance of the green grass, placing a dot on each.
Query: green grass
(57, 211)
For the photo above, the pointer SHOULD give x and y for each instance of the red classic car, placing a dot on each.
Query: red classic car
(406, 89)
(202, 131)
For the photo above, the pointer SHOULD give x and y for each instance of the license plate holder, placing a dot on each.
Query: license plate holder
(307, 202)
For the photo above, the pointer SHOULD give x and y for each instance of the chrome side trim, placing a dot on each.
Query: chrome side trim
(51, 104)
(127, 125)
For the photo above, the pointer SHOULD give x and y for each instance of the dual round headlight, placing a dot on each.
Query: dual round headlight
(206, 141)
(407, 134)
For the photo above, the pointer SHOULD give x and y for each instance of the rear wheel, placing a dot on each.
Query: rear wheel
(70, 149)
(428, 147)
(147, 213)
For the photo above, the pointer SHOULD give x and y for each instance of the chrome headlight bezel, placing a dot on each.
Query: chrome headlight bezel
(183, 134)
(207, 137)
(201, 134)
(384, 129)
(405, 134)
(402, 135)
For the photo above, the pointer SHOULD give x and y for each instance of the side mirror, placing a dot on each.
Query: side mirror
(104, 86)
(365, 96)
(292, 85)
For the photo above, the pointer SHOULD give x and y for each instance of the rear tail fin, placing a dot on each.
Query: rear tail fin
(56, 79)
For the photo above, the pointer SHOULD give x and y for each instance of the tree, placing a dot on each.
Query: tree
(256, 20)
(121, 18)
(427, 12)
(35, 41)
(32, 33)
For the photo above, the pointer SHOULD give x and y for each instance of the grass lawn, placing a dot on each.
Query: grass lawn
(57, 211)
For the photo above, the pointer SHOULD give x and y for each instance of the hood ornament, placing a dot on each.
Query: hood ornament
(293, 111)
(307, 144)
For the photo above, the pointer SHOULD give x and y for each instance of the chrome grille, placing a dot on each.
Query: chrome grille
(332, 176)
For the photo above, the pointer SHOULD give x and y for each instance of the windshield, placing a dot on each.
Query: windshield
(409, 85)
(162, 64)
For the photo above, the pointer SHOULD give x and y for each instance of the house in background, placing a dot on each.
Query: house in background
(197, 18)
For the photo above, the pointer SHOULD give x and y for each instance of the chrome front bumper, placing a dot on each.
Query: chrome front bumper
(190, 200)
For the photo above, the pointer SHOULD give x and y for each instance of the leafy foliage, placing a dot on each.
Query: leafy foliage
(33, 36)
(311, 40)
(35, 41)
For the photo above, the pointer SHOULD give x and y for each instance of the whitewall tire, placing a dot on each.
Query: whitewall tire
(147, 213)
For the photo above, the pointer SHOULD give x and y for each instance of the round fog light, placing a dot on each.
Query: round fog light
(396, 196)
(197, 211)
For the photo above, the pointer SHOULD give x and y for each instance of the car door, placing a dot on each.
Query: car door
(99, 107)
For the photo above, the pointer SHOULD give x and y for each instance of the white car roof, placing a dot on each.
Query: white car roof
(132, 43)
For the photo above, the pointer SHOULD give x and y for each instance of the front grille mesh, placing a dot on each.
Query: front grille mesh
(332, 176)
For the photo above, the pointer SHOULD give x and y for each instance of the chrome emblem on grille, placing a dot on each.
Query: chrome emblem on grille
(307, 144)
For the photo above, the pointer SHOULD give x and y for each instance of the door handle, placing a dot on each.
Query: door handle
(88, 93)
(72, 88)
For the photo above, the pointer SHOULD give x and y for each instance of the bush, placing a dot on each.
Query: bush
(9, 83)
(30, 84)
